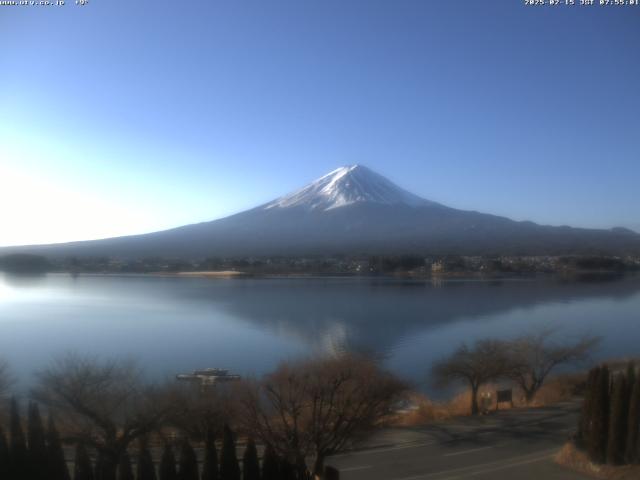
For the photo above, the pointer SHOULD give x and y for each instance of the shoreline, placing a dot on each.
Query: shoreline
(202, 274)
(399, 276)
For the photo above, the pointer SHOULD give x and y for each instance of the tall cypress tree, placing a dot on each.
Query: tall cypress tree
(631, 452)
(105, 468)
(37, 446)
(56, 464)
(618, 422)
(250, 462)
(125, 472)
(18, 462)
(584, 425)
(210, 467)
(631, 376)
(229, 468)
(98, 468)
(598, 432)
(145, 470)
(4, 455)
(331, 473)
(287, 471)
(188, 463)
(168, 464)
(82, 469)
(270, 465)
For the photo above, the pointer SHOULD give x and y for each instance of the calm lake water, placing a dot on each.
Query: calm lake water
(174, 325)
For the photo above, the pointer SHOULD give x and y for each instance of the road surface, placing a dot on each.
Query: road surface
(513, 444)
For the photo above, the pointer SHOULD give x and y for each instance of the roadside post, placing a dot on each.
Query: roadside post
(485, 402)
(504, 396)
(331, 473)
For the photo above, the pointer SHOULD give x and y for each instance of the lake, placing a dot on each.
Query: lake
(174, 325)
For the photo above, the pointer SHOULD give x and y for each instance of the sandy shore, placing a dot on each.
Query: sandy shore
(208, 274)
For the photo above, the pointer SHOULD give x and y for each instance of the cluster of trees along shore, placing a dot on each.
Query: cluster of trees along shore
(610, 420)
(526, 361)
(300, 414)
(323, 264)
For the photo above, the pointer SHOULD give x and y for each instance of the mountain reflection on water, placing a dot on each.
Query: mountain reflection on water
(248, 325)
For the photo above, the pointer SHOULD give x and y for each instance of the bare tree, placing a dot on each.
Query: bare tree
(319, 407)
(5, 378)
(103, 405)
(487, 360)
(199, 412)
(6, 381)
(532, 357)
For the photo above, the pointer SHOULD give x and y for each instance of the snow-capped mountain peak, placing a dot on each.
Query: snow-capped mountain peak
(345, 186)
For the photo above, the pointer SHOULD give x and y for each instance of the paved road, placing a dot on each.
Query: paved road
(513, 444)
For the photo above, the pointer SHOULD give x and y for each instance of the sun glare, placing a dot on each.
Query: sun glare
(38, 209)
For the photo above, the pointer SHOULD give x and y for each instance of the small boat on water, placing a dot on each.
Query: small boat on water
(212, 372)
(208, 376)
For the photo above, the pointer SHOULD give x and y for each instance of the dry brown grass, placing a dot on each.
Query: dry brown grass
(426, 411)
(558, 389)
(572, 457)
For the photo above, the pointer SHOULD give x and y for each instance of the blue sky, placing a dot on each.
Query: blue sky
(123, 117)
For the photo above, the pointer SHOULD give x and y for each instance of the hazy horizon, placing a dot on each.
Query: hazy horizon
(139, 117)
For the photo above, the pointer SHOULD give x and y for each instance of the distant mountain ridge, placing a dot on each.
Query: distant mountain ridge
(352, 210)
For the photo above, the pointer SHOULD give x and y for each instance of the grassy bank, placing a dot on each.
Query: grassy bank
(572, 457)
(423, 410)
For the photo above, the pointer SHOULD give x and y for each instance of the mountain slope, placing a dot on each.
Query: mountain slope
(353, 210)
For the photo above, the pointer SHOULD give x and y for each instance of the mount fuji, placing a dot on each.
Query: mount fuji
(352, 210)
(348, 186)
